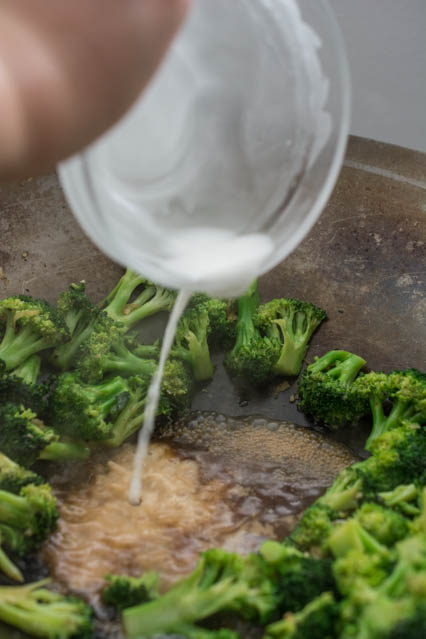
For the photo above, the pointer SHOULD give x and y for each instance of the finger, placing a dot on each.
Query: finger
(72, 69)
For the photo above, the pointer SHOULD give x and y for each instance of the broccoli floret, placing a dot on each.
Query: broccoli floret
(312, 532)
(253, 356)
(386, 525)
(368, 614)
(351, 535)
(402, 498)
(43, 613)
(397, 457)
(299, 577)
(80, 316)
(191, 343)
(405, 390)
(33, 513)
(379, 612)
(22, 436)
(13, 477)
(105, 352)
(291, 323)
(29, 326)
(113, 410)
(222, 318)
(222, 581)
(174, 399)
(26, 520)
(25, 438)
(20, 386)
(358, 555)
(122, 591)
(176, 388)
(153, 299)
(317, 620)
(86, 411)
(328, 392)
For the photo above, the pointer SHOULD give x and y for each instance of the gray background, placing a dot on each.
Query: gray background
(386, 45)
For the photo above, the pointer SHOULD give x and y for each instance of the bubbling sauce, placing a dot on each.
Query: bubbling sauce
(208, 481)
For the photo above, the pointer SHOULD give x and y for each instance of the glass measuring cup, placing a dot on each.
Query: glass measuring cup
(226, 161)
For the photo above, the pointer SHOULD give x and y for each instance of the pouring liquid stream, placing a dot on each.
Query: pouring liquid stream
(145, 433)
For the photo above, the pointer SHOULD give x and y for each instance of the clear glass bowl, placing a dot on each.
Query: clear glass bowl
(226, 161)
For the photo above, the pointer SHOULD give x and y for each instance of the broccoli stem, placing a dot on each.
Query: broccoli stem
(18, 345)
(38, 612)
(104, 395)
(150, 302)
(128, 422)
(65, 451)
(14, 510)
(64, 354)
(296, 343)
(8, 567)
(345, 366)
(201, 363)
(29, 370)
(245, 328)
(183, 604)
(121, 360)
(401, 409)
(352, 536)
(342, 498)
(401, 497)
(121, 293)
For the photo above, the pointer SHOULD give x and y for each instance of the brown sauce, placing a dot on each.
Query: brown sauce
(208, 481)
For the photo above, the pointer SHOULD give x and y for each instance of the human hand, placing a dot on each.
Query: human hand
(69, 70)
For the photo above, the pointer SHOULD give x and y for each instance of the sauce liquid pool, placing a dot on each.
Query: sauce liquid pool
(209, 481)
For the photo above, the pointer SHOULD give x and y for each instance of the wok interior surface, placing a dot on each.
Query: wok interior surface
(364, 263)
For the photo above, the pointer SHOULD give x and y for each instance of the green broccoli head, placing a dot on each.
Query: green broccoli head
(406, 393)
(131, 416)
(22, 435)
(328, 390)
(317, 620)
(359, 556)
(27, 519)
(40, 612)
(106, 353)
(87, 411)
(386, 525)
(176, 389)
(313, 530)
(253, 356)
(80, 316)
(300, 578)
(191, 343)
(403, 499)
(13, 477)
(292, 323)
(95, 355)
(20, 385)
(123, 591)
(29, 326)
(222, 318)
(152, 299)
(397, 457)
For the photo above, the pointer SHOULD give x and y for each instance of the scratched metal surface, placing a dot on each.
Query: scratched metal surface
(364, 262)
